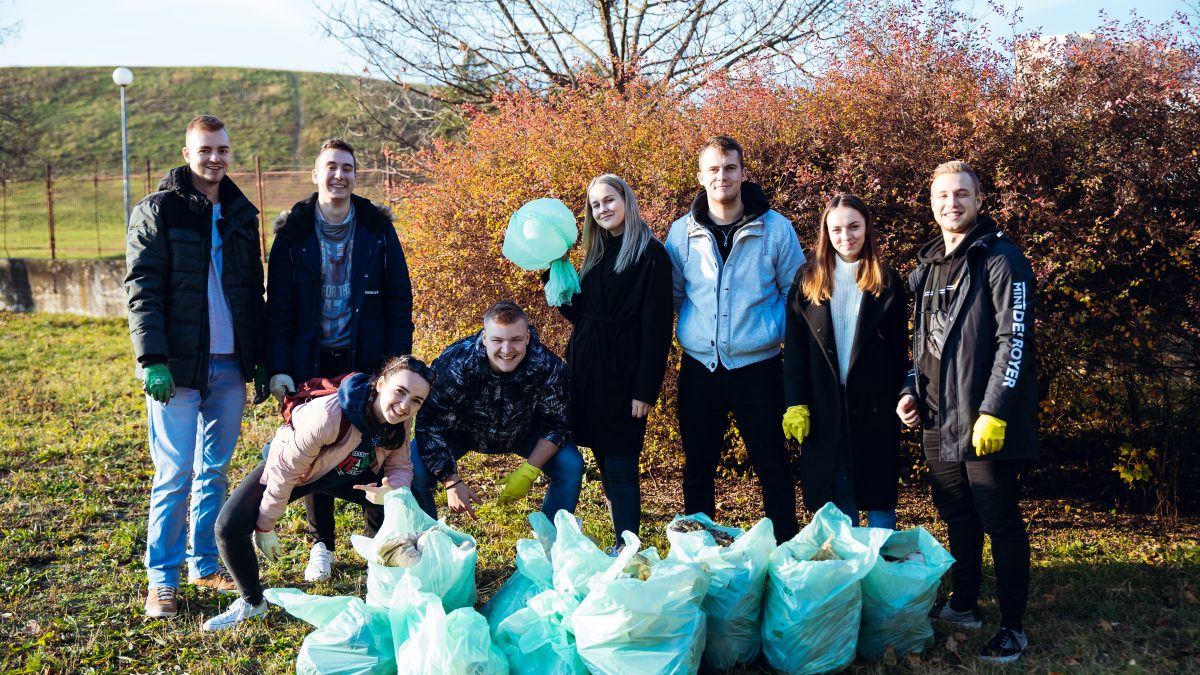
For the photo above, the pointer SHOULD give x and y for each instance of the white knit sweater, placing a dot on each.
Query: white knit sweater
(844, 305)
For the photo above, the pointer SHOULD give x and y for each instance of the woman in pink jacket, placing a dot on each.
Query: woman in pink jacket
(319, 452)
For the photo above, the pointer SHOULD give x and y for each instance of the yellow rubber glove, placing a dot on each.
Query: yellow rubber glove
(517, 483)
(796, 423)
(988, 436)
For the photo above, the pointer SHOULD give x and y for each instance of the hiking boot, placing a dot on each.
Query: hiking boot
(320, 563)
(942, 611)
(219, 581)
(162, 602)
(1006, 646)
(238, 611)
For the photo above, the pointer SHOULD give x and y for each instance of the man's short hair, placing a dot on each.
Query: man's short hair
(338, 144)
(726, 145)
(957, 166)
(205, 123)
(505, 313)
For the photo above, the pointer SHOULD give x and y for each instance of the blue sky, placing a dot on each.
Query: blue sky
(285, 34)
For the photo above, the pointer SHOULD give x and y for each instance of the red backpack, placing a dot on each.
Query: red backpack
(314, 388)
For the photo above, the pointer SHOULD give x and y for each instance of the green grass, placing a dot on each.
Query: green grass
(1111, 593)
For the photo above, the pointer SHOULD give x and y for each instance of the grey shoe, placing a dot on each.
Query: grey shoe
(942, 611)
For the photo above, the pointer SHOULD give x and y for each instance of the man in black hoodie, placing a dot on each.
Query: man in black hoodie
(195, 292)
(973, 390)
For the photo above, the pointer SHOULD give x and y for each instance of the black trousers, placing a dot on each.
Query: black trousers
(318, 507)
(236, 524)
(620, 477)
(754, 394)
(976, 498)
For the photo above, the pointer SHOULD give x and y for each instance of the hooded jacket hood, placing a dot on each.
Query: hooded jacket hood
(355, 395)
(299, 221)
(934, 251)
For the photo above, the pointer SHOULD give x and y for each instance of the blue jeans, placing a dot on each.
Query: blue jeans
(191, 442)
(564, 469)
(843, 497)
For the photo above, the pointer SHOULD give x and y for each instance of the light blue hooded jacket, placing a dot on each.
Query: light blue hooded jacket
(734, 311)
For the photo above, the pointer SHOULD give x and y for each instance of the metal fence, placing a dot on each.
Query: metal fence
(83, 216)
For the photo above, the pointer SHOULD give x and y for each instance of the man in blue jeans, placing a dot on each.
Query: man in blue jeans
(497, 391)
(194, 285)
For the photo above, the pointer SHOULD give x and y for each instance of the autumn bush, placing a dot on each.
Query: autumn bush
(1087, 148)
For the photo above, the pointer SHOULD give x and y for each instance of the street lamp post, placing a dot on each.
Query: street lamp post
(123, 77)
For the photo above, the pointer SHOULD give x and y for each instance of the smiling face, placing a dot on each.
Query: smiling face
(847, 230)
(506, 344)
(608, 207)
(399, 396)
(334, 175)
(955, 201)
(721, 175)
(207, 154)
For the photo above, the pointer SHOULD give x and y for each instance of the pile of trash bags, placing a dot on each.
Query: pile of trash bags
(721, 596)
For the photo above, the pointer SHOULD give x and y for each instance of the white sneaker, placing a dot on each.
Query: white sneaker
(320, 563)
(235, 613)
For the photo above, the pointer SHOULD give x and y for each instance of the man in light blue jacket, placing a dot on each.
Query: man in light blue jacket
(733, 262)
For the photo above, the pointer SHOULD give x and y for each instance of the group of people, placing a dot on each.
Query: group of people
(811, 350)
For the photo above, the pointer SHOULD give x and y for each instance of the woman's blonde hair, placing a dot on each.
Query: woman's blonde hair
(816, 281)
(595, 238)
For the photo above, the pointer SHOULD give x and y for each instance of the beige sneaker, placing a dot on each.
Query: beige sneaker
(219, 581)
(162, 602)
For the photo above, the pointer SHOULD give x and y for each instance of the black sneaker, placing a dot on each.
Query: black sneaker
(1006, 646)
(942, 611)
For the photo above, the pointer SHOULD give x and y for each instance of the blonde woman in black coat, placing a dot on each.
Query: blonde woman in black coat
(845, 360)
(617, 354)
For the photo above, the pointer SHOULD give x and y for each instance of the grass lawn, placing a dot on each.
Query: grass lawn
(1111, 592)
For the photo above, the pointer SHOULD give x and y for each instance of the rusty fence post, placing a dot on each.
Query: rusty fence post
(50, 207)
(262, 208)
(96, 203)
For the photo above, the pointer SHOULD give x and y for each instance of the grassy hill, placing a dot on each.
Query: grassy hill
(279, 115)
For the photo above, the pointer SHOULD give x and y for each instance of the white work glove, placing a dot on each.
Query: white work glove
(281, 384)
(267, 545)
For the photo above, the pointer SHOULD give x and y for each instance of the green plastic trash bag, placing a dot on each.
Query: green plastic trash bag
(447, 564)
(738, 574)
(899, 590)
(813, 606)
(627, 625)
(437, 643)
(539, 234)
(577, 559)
(539, 639)
(534, 573)
(351, 637)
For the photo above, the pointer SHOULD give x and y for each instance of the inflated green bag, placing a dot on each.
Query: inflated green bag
(539, 639)
(899, 591)
(352, 637)
(814, 596)
(539, 234)
(430, 641)
(534, 573)
(448, 556)
(738, 575)
(576, 558)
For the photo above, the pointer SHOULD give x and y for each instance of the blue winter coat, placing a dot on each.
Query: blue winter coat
(381, 293)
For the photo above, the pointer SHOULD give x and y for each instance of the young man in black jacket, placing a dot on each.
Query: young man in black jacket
(194, 285)
(339, 300)
(973, 390)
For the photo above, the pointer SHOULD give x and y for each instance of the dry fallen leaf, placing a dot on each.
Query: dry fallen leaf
(914, 660)
(951, 644)
(889, 656)
(1106, 626)
(1071, 661)
(1190, 596)
(960, 637)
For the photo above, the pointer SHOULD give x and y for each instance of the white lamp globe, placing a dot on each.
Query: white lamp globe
(123, 76)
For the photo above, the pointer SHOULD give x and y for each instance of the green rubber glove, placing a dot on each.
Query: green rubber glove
(988, 435)
(517, 483)
(796, 423)
(158, 383)
(262, 387)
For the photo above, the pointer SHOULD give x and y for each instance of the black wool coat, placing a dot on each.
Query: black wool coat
(618, 348)
(865, 408)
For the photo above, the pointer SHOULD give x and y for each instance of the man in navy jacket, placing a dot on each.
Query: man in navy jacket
(339, 300)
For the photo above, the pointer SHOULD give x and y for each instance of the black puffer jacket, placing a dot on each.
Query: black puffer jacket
(167, 252)
(988, 362)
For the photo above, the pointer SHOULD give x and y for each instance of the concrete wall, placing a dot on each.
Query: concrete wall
(87, 287)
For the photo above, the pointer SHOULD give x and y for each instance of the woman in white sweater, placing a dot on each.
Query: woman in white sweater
(845, 359)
